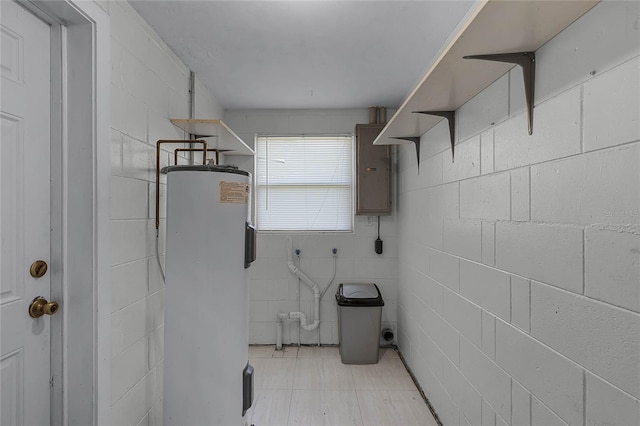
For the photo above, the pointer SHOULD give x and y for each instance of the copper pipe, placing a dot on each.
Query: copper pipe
(174, 141)
(216, 150)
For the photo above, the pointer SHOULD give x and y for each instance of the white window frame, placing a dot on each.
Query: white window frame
(351, 229)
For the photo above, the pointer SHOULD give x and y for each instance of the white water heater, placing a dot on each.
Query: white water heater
(207, 377)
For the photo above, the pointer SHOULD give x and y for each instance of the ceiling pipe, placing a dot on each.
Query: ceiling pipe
(377, 115)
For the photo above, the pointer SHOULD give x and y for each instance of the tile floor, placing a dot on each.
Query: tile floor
(310, 386)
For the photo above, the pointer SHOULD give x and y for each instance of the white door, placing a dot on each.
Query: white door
(25, 93)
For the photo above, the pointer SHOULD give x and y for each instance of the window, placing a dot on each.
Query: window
(303, 183)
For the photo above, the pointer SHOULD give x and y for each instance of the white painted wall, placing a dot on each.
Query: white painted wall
(149, 86)
(519, 296)
(273, 288)
(515, 267)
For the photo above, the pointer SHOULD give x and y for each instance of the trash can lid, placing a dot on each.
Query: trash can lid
(359, 294)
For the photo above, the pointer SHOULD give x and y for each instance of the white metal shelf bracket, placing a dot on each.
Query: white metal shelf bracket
(527, 60)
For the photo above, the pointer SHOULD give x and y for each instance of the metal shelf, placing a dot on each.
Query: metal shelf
(217, 134)
(495, 27)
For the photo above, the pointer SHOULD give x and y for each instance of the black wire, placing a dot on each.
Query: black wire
(378, 227)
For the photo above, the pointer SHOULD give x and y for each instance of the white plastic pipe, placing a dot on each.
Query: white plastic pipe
(297, 272)
(303, 318)
(281, 318)
(299, 316)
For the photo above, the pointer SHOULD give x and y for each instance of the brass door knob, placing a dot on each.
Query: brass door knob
(38, 268)
(40, 307)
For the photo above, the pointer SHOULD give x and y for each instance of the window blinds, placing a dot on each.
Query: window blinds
(304, 183)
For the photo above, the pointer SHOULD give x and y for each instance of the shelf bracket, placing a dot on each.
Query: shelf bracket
(416, 141)
(197, 136)
(216, 150)
(527, 60)
(451, 116)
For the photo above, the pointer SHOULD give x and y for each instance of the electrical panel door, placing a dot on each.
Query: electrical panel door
(373, 172)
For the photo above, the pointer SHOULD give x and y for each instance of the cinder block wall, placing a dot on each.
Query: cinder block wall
(519, 287)
(273, 288)
(149, 85)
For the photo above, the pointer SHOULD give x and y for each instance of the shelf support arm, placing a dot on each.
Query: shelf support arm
(451, 116)
(526, 60)
(416, 141)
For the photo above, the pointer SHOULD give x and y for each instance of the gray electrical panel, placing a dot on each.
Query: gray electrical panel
(373, 172)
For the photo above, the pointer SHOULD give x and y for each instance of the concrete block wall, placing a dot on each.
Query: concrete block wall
(519, 264)
(149, 85)
(273, 288)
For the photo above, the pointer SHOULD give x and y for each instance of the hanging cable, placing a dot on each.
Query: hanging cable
(299, 303)
(334, 252)
(158, 255)
(378, 246)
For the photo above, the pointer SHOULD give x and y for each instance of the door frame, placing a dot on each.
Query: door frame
(80, 210)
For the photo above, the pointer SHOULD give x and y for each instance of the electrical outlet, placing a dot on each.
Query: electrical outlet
(369, 220)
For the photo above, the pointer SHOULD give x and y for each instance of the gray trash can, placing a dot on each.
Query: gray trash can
(359, 316)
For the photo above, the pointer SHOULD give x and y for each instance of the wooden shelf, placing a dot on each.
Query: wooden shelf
(494, 27)
(217, 134)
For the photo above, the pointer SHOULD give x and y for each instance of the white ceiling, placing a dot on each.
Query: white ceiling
(306, 54)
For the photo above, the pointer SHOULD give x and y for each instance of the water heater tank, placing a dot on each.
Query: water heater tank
(207, 378)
